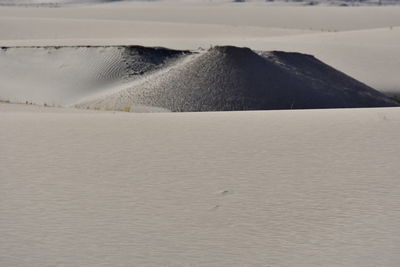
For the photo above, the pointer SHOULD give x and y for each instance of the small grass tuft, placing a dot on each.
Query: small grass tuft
(126, 109)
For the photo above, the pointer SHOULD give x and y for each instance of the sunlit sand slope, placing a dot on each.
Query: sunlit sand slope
(65, 75)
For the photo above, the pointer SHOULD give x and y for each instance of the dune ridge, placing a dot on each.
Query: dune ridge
(230, 78)
(142, 79)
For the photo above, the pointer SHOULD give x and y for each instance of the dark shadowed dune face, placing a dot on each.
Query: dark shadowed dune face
(140, 60)
(230, 78)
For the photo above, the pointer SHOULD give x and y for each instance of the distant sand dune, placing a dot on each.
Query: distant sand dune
(136, 78)
(230, 78)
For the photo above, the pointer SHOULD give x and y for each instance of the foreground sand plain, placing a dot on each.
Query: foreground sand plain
(281, 188)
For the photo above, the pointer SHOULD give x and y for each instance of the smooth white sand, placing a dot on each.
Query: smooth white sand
(55, 77)
(278, 188)
(258, 15)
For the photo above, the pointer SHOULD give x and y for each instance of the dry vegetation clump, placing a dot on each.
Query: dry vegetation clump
(126, 109)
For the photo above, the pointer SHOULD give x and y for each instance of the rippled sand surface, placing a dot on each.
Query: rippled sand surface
(275, 188)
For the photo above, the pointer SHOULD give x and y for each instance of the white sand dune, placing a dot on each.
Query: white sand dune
(44, 75)
(66, 75)
(135, 78)
(363, 41)
(280, 188)
(228, 78)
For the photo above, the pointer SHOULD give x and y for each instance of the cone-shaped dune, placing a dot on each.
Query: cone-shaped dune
(231, 78)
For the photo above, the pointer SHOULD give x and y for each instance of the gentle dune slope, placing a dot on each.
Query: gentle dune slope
(279, 188)
(80, 31)
(230, 78)
(65, 75)
(264, 16)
